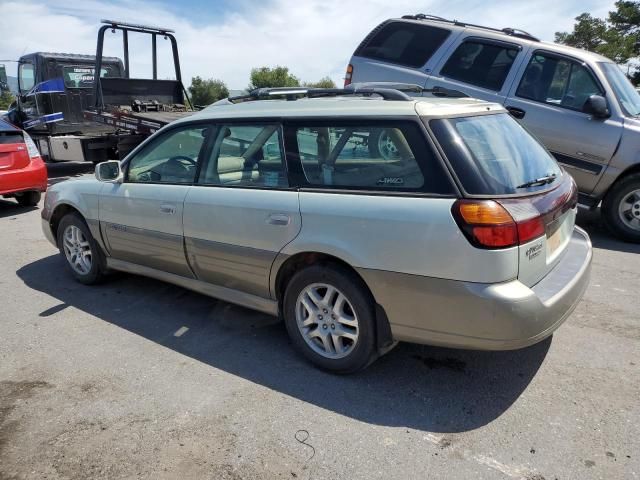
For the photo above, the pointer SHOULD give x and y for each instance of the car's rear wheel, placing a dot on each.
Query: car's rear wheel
(329, 314)
(621, 208)
(28, 199)
(381, 145)
(79, 249)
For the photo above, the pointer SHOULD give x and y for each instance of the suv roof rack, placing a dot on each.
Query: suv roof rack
(386, 90)
(512, 32)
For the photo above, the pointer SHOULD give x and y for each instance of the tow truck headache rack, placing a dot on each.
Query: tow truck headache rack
(138, 105)
(385, 90)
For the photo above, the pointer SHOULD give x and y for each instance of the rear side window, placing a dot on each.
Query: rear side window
(369, 157)
(494, 154)
(481, 64)
(246, 156)
(558, 81)
(403, 43)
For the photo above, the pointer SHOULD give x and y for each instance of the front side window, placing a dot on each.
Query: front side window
(380, 157)
(404, 43)
(246, 156)
(171, 158)
(481, 64)
(494, 154)
(557, 81)
(27, 77)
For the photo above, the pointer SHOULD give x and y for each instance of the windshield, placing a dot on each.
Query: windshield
(625, 93)
(495, 155)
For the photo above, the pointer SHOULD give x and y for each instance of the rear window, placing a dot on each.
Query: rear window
(10, 137)
(494, 154)
(403, 43)
(482, 64)
(82, 76)
(384, 156)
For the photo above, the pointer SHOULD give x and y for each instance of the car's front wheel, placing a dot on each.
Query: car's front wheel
(621, 208)
(79, 249)
(329, 315)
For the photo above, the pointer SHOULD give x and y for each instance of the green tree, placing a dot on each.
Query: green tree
(266, 77)
(206, 92)
(617, 37)
(6, 99)
(324, 82)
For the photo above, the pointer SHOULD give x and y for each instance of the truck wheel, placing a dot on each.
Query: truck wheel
(29, 199)
(77, 246)
(329, 315)
(621, 208)
(381, 145)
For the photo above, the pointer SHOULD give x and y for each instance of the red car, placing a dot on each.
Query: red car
(23, 174)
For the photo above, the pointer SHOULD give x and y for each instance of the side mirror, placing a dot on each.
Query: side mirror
(109, 172)
(596, 105)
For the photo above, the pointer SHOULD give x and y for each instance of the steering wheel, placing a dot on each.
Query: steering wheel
(179, 159)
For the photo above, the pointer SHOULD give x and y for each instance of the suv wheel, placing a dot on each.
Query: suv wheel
(621, 209)
(79, 248)
(329, 314)
(28, 199)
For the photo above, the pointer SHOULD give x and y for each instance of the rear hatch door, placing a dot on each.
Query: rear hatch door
(493, 157)
(13, 151)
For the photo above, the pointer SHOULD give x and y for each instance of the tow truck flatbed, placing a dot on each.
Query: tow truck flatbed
(138, 122)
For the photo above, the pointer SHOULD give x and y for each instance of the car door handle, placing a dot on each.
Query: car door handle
(168, 209)
(278, 219)
(516, 112)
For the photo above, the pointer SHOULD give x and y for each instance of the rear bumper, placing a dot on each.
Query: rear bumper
(32, 177)
(501, 316)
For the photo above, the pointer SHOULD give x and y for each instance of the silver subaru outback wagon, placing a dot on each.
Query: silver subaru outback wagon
(460, 233)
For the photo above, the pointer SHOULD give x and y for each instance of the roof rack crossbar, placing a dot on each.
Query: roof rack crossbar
(386, 90)
(513, 32)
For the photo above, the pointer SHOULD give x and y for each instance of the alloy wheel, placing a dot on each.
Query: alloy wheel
(327, 320)
(77, 249)
(629, 210)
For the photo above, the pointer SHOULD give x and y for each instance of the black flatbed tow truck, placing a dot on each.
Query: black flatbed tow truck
(85, 107)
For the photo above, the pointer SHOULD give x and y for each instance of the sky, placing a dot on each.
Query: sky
(224, 39)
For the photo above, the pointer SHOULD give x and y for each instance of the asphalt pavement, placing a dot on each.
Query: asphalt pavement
(140, 379)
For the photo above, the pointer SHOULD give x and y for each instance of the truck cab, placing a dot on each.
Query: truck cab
(54, 91)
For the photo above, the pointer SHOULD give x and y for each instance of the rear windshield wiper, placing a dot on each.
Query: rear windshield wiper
(538, 181)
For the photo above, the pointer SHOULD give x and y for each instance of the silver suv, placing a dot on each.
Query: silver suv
(579, 104)
(462, 234)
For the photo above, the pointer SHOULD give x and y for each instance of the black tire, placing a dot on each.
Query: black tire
(95, 274)
(29, 199)
(363, 351)
(611, 203)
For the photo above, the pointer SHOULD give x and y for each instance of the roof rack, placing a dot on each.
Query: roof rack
(386, 90)
(512, 32)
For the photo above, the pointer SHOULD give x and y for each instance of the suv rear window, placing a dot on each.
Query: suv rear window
(403, 43)
(371, 157)
(482, 64)
(494, 154)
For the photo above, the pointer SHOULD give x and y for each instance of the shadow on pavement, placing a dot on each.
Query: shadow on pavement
(591, 221)
(426, 388)
(59, 172)
(11, 208)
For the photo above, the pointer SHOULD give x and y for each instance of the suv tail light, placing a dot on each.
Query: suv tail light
(488, 224)
(348, 75)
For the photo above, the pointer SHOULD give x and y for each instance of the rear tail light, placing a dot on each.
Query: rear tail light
(348, 75)
(31, 146)
(488, 224)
